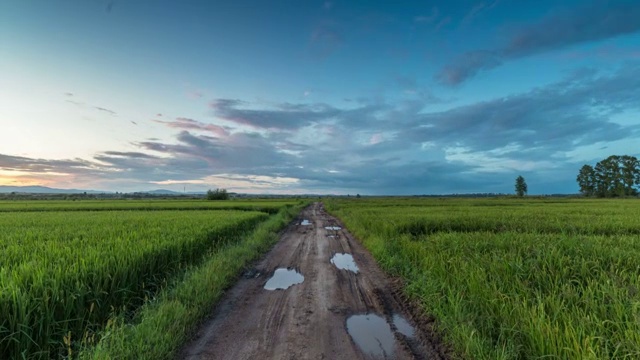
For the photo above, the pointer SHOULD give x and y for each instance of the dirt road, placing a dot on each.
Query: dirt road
(332, 314)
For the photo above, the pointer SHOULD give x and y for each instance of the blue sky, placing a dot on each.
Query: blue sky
(316, 96)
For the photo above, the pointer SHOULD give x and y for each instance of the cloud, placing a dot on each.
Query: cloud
(110, 112)
(190, 124)
(377, 146)
(596, 21)
(435, 13)
(109, 6)
(541, 122)
(443, 22)
(477, 10)
(468, 65)
(282, 116)
(130, 154)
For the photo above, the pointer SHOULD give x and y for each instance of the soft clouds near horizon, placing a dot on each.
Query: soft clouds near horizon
(354, 117)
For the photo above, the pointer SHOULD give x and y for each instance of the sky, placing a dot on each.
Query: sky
(293, 97)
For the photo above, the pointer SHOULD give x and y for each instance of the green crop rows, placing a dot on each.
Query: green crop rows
(513, 279)
(270, 206)
(64, 274)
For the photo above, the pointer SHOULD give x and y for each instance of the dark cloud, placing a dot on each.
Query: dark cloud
(596, 21)
(379, 147)
(130, 154)
(468, 65)
(110, 112)
(559, 117)
(109, 6)
(283, 116)
(190, 124)
(19, 163)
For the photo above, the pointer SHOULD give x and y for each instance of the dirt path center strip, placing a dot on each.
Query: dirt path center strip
(312, 297)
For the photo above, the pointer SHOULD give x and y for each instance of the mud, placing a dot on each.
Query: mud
(310, 319)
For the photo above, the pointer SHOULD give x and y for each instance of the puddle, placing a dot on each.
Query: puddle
(372, 334)
(283, 278)
(403, 326)
(334, 228)
(344, 262)
(305, 222)
(331, 236)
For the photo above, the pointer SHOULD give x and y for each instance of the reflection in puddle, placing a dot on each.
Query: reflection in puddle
(283, 278)
(403, 326)
(305, 222)
(344, 262)
(334, 228)
(372, 334)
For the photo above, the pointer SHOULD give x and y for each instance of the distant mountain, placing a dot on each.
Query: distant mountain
(45, 190)
(162, 192)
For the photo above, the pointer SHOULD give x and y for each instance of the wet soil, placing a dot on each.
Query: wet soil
(318, 317)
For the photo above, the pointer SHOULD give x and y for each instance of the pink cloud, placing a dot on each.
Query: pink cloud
(376, 139)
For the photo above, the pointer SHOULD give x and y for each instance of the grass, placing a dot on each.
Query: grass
(162, 326)
(514, 279)
(270, 206)
(65, 275)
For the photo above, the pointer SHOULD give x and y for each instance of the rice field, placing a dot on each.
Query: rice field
(65, 274)
(513, 278)
(269, 206)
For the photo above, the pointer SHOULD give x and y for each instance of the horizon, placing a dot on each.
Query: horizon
(316, 97)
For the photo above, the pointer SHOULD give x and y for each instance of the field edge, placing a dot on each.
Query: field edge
(163, 325)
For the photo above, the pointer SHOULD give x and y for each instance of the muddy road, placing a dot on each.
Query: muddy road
(327, 300)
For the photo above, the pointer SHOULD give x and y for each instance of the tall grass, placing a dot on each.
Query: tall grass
(270, 206)
(62, 274)
(163, 325)
(514, 279)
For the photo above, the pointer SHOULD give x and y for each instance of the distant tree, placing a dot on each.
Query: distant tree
(217, 194)
(358, 196)
(612, 177)
(587, 180)
(521, 186)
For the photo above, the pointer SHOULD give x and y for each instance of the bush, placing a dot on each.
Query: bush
(217, 194)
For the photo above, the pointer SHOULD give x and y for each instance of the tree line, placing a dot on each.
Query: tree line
(615, 176)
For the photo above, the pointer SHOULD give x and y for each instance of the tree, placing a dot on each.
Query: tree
(587, 180)
(611, 177)
(521, 186)
(217, 194)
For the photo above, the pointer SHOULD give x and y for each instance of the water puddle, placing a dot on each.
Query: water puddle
(372, 334)
(403, 326)
(283, 278)
(331, 236)
(334, 228)
(344, 262)
(305, 222)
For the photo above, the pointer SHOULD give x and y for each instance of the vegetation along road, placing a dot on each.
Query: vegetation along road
(349, 278)
(325, 307)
